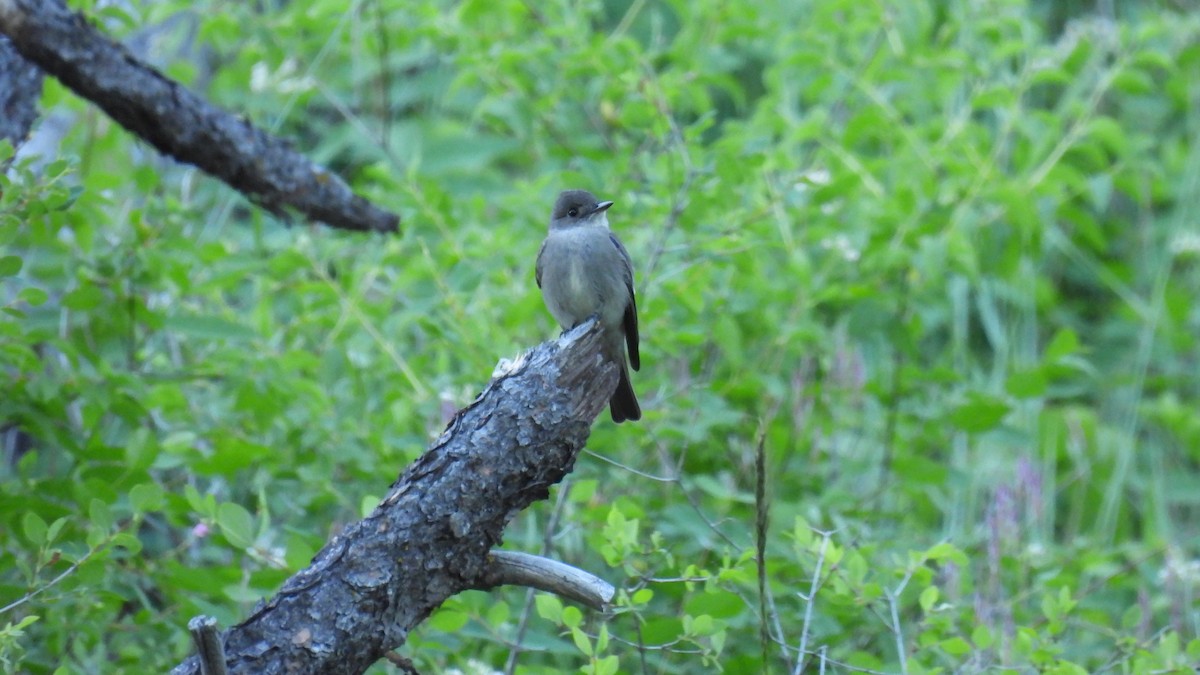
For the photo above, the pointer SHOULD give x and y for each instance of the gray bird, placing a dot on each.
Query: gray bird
(583, 271)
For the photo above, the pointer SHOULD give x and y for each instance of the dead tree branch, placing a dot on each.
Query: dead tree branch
(432, 535)
(180, 123)
(20, 89)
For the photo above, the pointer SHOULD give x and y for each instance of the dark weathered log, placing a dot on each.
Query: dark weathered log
(431, 536)
(180, 123)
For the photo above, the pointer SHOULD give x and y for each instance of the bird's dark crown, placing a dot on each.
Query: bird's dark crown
(580, 200)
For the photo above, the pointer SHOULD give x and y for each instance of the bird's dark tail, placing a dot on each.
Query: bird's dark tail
(624, 404)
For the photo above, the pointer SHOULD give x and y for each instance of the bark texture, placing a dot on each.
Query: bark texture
(20, 89)
(430, 537)
(180, 123)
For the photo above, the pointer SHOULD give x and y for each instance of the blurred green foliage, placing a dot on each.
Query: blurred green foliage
(938, 260)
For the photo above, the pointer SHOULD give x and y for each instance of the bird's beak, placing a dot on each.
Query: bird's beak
(601, 207)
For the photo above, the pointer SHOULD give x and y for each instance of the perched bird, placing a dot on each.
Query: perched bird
(583, 271)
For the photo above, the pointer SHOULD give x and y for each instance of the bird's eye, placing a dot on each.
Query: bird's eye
(573, 213)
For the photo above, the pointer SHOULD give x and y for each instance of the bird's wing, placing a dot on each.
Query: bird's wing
(631, 318)
(537, 273)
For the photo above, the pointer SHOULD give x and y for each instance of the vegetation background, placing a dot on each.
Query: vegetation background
(933, 264)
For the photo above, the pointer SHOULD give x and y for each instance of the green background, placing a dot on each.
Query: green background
(934, 265)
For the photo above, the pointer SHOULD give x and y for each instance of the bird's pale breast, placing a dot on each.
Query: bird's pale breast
(583, 267)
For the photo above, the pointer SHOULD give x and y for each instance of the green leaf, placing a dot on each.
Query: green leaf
(946, 551)
(205, 505)
(956, 646)
(583, 491)
(35, 528)
(96, 537)
(18, 629)
(498, 614)
(1131, 618)
(1109, 132)
(701, 625)
(1050, 74)
(1026, 383)
(1051, 608)
(1150, 58)
(10, 265)
(572, 617)
(802, 533)
(127, 541)
(99, 515)
(449, 620)
(609, 665)
(367, 505)
(1133, 80)
(34, 297)
(1064, 343)
(208, 328)
(1193, 650)
(996, 96)
(715, 602)
(146, 497)
(83, 298)
(55, 528)
(929, 596)
(549, 607)
(8, 223)
(980, 413)
(236, 524)
(981, 637)
(582, 642)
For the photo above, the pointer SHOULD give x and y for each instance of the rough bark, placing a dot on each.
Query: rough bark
(20, 89)
(430, 537)
(180, 123)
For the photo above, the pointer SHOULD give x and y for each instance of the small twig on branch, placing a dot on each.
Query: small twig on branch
(180, 123)
(433, 535)
(208, 645)
(809, 601)
(62, 575)
(404, 664)
(513, 568)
